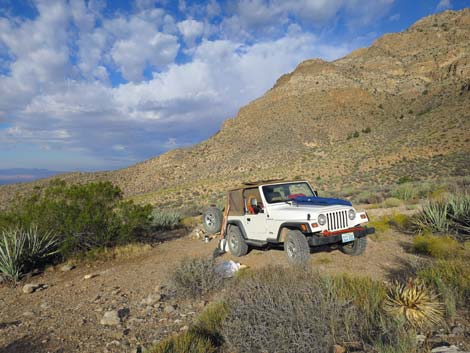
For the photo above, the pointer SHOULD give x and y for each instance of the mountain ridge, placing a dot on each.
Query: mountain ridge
(399, 107)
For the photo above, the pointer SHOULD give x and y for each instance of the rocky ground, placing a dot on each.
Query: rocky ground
(123, 305)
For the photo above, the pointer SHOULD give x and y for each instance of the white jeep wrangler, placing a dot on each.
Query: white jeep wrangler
(273, 213)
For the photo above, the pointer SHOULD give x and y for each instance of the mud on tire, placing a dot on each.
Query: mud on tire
(296, 248)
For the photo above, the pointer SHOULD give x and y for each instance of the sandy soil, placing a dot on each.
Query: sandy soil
(65, 317)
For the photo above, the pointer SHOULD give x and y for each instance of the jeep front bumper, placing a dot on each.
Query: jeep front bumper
(318, 240)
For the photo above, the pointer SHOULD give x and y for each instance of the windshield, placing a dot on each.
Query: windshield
(286, 192)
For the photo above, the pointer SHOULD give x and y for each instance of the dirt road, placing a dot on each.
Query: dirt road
(65, 316)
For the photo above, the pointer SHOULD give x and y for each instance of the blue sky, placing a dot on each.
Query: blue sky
(93, 85)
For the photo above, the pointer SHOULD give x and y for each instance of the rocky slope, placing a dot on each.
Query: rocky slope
(398, 108)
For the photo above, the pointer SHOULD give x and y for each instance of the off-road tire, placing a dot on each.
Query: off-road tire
(354, 248)
(212, 219)
(236, 243)
(296, 247)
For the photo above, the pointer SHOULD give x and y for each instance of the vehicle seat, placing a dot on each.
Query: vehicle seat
(251, 205)
(275, 196)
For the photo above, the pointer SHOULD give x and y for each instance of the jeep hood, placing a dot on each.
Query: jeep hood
(298, 212)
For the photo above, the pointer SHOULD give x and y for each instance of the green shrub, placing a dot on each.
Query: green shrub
(85, 216)
(164, 220)
(21, 250)
(187, 342)
(433, 217)
(405, 191)
(195, 277)
(277, 309)
(209, 323)
(451, 279)
(392, 202)
(436, 246)
(451, 215)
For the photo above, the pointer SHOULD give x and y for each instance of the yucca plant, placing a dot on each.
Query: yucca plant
(415, 303)
(21, 249)
(433, 217)
(459, 214)
(164, 220)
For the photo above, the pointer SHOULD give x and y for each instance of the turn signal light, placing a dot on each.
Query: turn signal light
(314, 225)
(363, 216)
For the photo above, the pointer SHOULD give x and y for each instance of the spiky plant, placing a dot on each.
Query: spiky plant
(415, 303)
(433, 217)
(21, 249)
(459, 214)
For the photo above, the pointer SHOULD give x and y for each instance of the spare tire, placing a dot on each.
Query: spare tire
(212, 219)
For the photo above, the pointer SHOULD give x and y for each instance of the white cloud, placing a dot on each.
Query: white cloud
(190, 30)
(57, 92)
(444, 5)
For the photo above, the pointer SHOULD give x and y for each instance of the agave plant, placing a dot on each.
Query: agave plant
(21, 249)
(433, 217)
(459, 214)
(415, 303)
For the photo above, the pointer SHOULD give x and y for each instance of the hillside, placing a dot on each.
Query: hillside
(398, 108)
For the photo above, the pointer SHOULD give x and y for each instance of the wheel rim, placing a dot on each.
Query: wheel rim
(291, 250)
(233, 242)
(210, 219)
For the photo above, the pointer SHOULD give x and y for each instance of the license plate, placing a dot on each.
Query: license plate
(347, 237)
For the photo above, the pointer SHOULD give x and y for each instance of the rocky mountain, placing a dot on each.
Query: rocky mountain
(398, 108)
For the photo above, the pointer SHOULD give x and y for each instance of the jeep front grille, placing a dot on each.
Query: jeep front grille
(337, 220)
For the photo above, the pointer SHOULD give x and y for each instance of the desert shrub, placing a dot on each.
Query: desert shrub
(405, 191)
(85, 216)
(187, 342)
(195, 277)
(436, 246)
(381, 224)
(285, 310)
(164, 220)
(450, 215)
(274, 310)
(415, 303)
(451, 279)
(400, 221)
(433, 218)
(209, 323)
(391, 202)
(21, 249)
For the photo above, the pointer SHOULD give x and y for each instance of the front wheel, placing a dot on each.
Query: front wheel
(354, 248)
(296, 247)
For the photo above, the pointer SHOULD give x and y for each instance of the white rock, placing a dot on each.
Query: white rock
(151, 299)
(30, 288)
(90, 275)
(445, 349)
(111, 318)
(67, 267)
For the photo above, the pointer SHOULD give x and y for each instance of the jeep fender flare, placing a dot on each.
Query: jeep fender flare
(240, 226)
(285, 227)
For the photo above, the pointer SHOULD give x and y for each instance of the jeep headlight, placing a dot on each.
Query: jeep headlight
(352, 214)
(321, 219)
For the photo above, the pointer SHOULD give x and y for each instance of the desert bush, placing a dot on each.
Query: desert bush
(436, 246)
(451, 279)
(286, 310)
(21, 249)
(195, 277)
(391, 202)
(84, 216)
(274, 310)
(405, 191)
(164, 220)
(187, 342)
(451, 215)
(209, 323)
(415, 303)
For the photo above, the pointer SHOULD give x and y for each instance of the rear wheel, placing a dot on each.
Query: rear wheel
(355, 247)
(296, 247)
(236, 243)
(212, 220)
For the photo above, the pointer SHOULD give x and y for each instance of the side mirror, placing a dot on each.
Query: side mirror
(315, 192)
